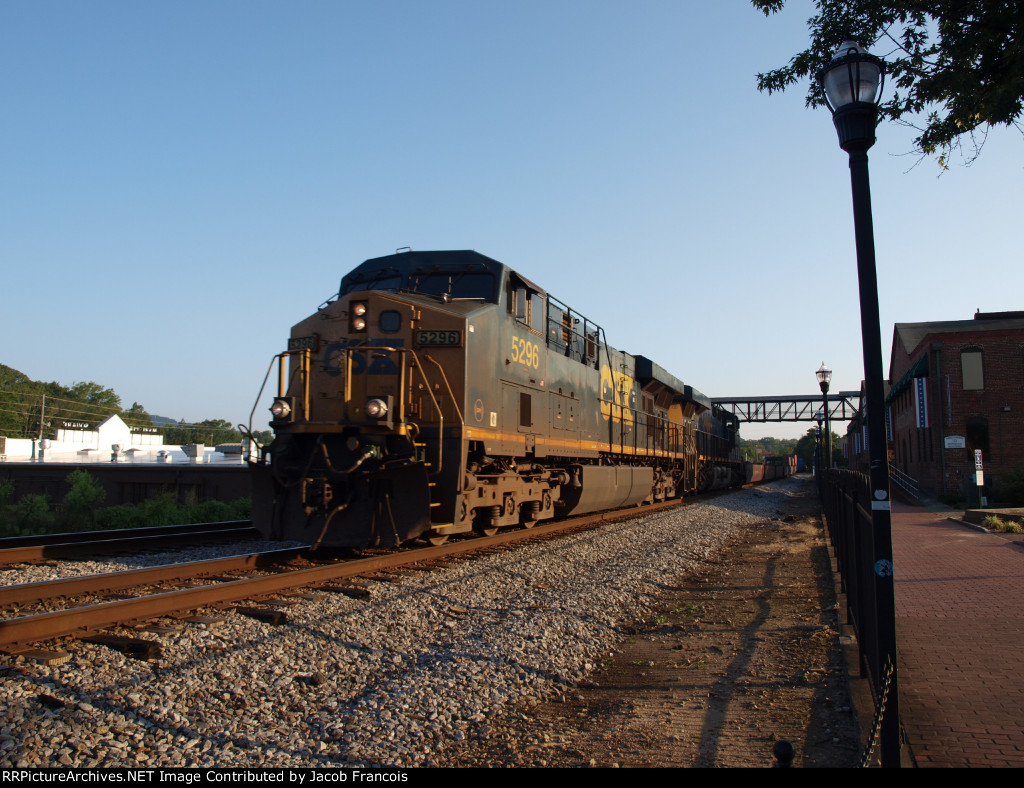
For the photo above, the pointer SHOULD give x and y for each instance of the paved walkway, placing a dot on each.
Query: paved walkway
(960, 639)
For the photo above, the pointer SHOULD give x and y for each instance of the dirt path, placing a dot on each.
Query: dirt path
(739, 657)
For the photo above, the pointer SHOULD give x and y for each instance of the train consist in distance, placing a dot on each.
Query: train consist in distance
(442, 392)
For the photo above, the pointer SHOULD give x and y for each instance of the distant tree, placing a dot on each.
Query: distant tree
(14, 387)
(209, 432)
(956, 66)
(756, 450)
(806, 448)
(95, 394)
(136, 416)
(24, 402)
(11, 378)
(263, 437)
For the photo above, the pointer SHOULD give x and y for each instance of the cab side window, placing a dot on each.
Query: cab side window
(537, 312)
(527, 305)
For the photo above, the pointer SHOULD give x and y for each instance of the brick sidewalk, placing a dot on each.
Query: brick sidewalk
(960, 635)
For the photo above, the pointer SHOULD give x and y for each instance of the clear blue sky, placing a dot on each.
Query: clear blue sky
(184, 181)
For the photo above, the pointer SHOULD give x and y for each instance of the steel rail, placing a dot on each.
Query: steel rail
(130, 578)
(14, 555)
(81, 621)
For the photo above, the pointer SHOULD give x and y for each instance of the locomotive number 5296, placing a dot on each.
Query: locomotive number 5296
(526, 353)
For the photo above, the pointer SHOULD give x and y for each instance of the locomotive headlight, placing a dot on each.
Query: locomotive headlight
(281, 410)
(357, 316)
(376, 408)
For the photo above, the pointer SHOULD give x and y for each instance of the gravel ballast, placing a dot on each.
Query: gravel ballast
(429, 659)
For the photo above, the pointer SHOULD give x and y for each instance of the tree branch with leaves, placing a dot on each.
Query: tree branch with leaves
(956, 66)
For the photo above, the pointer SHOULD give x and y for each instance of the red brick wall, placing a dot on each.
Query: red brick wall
(919, 452)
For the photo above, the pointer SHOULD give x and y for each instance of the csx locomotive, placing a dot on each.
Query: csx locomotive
(442, 392)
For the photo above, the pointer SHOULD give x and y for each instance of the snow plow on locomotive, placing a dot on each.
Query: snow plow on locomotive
(442, 392)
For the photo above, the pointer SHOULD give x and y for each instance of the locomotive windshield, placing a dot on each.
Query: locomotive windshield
(449, 283)
(386, 279)
(456, 284)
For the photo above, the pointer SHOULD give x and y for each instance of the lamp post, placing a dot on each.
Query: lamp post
(818, 417)
(852, 86)
(824, 376)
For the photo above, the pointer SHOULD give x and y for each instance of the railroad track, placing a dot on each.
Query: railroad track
(18, 549)
(19, 632)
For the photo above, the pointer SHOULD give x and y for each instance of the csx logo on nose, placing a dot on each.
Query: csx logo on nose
(365, 360)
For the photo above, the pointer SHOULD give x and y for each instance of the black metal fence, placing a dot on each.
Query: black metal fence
(848, 510)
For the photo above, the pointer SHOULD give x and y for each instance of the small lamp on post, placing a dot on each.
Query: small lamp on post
(824, 376)
(851, 84)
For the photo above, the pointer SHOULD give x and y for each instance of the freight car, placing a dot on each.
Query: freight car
(442, 392)
(775, 466)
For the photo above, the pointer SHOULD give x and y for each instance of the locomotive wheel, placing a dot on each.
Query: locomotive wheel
(487, 520)
(532, 511)
(436, 541)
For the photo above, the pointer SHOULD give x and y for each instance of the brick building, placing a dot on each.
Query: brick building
(955, 387)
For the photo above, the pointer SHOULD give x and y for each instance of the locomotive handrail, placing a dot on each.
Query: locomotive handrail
(437, 407)
(252, 413)
(566, 329)
(401, 389)
(368, 348)
(444, 377)
(672, 434)
(653, 441)
(282, 384)
(305, 367)
(304, 370)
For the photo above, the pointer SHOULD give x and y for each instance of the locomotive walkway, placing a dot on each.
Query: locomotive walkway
(960, 631)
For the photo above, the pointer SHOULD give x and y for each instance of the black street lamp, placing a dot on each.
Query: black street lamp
(824, 376)
(852, 86)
